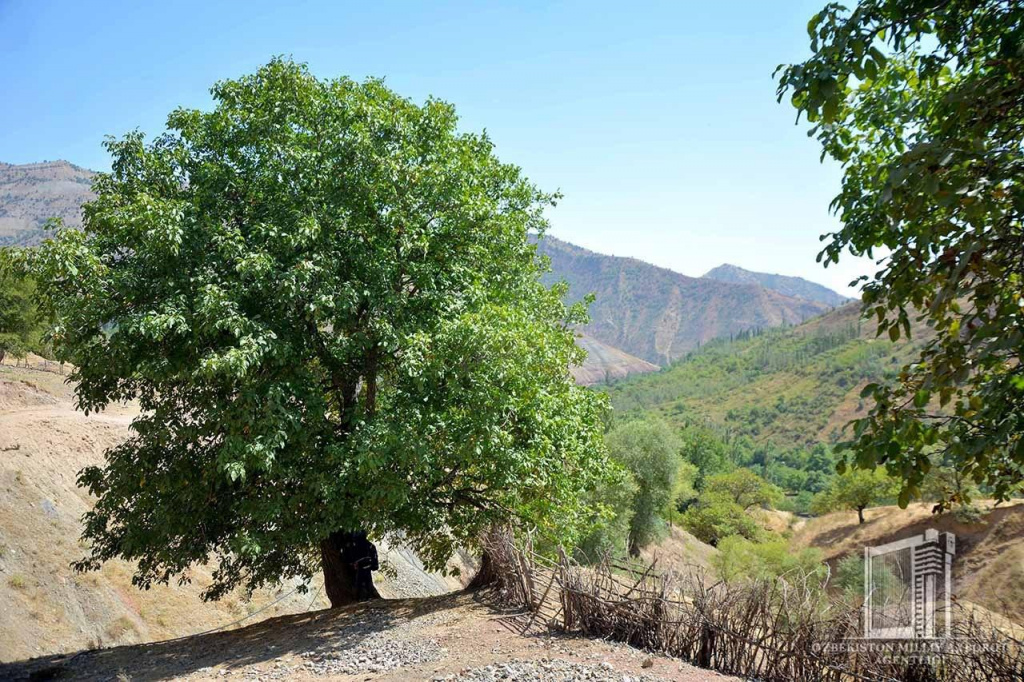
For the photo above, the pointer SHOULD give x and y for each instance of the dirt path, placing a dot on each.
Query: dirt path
(453, 637)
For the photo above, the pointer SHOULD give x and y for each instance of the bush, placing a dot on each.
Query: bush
(849, 575)
(739, 558)
(613, 513)
(797, 504)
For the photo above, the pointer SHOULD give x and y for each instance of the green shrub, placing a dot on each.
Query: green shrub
(739, 558)
(613, 512)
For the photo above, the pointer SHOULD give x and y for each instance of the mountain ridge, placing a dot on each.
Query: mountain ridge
(32, 193)
(659, 315)
(784, 284)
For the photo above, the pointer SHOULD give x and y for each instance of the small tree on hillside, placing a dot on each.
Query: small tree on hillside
(716, 516)
(745, 488)
(856, 490)
(324, 299)
(649, 450)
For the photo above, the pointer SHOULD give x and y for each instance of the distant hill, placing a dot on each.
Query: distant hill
(789, 387)
(789, 286)
(659, 315)
(32, 193)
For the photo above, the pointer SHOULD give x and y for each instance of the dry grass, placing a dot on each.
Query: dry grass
(988, 568)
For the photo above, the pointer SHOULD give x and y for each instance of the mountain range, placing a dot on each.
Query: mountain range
(659, 315)
(797, 287)
(644, 316)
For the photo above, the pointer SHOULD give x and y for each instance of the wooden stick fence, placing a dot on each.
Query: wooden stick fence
(770, 630)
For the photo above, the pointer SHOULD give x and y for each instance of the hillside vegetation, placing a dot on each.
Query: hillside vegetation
(788, 387)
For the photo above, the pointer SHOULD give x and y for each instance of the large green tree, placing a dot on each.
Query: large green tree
(324, 299)
(922, 102)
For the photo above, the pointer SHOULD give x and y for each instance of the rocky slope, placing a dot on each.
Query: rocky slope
(605, 364)
(659, 315)
(32, 193)
(788, 286)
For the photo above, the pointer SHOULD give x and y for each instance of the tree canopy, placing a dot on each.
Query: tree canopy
(856, 490)
(323, 297)
(649, 450)
(744, 488)
(923, 105)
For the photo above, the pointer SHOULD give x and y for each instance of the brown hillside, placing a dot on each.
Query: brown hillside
(988, 568)
(32, 193)
(605, 363)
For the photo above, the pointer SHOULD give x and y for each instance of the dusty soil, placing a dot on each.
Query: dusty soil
(45, 607)
(456, 636)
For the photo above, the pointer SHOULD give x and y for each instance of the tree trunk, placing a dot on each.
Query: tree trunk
(485, 575)
(341, 579)
(860, 514)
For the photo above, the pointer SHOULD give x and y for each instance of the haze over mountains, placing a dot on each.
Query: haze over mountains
(644, 316)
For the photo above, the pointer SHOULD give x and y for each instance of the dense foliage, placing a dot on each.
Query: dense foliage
(21, 323)
(856, 490)
(923, 105)
(324, 299)
(739, 558)
(650, 452)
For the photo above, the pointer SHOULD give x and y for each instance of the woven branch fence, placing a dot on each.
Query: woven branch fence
(772, 630)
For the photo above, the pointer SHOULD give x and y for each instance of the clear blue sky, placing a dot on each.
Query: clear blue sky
(657, 121)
